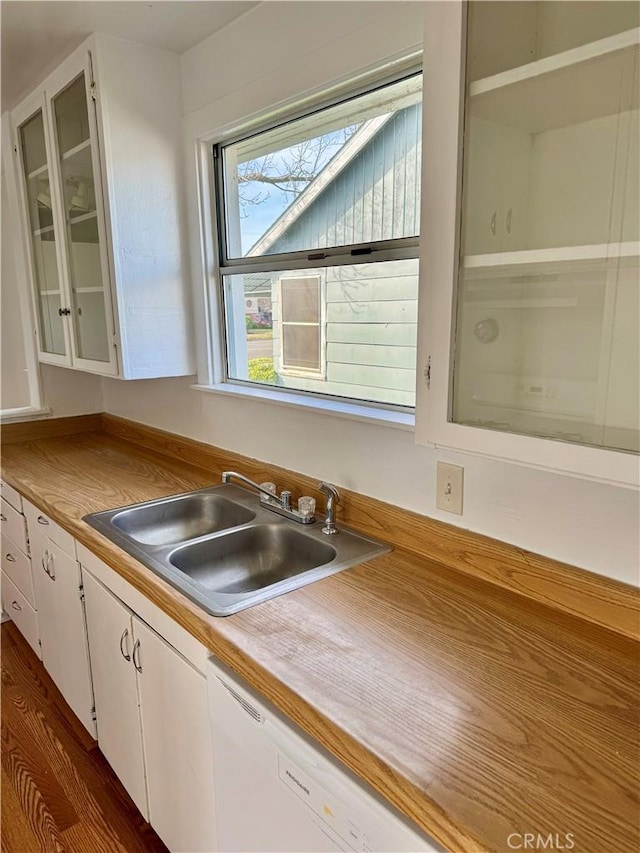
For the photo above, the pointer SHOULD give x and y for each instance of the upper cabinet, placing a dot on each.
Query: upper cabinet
(531, 244)
(98, 147)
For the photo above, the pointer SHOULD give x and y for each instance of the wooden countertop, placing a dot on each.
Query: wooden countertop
(480, 714)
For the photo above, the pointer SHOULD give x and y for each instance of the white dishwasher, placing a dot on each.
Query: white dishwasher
(275, 791)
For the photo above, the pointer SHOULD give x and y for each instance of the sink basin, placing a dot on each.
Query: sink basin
(181, 518)
(225, 551)
(251, 559)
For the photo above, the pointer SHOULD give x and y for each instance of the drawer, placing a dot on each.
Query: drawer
(17, 566)
(13, 526)
(11, 496)
(21, 612)
(40, 525)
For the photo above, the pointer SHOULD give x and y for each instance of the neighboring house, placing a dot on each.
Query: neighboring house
(350, 330)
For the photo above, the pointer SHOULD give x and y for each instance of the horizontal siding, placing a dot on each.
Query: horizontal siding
(393, 396)
(400, 311)
(380, 270)
(365, 354)
(381, 334)
(389, 289)
(391, 378)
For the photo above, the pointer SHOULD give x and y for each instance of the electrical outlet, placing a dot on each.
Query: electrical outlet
(449, 487)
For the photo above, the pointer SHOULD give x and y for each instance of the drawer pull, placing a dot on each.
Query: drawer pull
(42, 520)
(124, 654)
(136, 659)
(10, 558)
(15, 605)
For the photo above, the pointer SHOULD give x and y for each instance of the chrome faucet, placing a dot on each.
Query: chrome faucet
(333, 496)
(277, 503)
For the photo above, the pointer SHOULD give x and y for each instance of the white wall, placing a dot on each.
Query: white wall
(70, 392)
(283, 51)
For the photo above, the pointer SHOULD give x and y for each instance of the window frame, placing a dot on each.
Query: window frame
(214, 343)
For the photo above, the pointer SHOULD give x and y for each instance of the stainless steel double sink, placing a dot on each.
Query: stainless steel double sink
(225, 551)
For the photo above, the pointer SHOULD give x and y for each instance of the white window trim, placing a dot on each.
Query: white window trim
(208, 299)
(318, 405)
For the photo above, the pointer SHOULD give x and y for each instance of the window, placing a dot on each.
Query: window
(300, 324)
(319, 220)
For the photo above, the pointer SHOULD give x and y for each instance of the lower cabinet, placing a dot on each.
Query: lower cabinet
(115, 688)
(21, 612)
(153, 722)
(63, 636)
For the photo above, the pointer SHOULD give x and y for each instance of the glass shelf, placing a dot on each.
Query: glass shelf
(74, 220)
(580, 257)
(569, 88)
(39, 171)
(76, 149)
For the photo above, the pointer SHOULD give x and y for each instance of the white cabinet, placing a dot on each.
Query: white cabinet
(530, 268)
(152, 715)
(21, 612)
(110, 631)
(98, 152)
(176, 735)
(61, 620)
(18, 593)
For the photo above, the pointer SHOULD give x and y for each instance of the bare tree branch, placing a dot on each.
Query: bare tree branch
(291, 170)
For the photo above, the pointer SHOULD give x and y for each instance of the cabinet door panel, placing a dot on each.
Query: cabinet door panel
(114, 683)
(175, 728)
(13, 526)
(75, 134)
(18, 568)
(21, 612)
(43, 235)
(65, 653)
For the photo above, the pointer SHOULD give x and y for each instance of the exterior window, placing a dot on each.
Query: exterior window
(318, 223)
(300, 324)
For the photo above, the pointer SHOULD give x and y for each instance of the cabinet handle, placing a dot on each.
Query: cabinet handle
(64, 312)
(136, 660)
(509, 219)
(125, 633)
(10, 558)
(50, 562)
(15, 605)
(43, 562)
(42, 520)
(494, 223)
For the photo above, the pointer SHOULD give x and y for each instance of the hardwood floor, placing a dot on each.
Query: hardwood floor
(58, 792)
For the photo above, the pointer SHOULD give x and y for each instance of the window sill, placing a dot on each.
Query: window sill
(334, 408)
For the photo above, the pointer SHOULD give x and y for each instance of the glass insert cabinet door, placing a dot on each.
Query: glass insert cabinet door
(78, 185)
(43, 236)
(546, 337)
(56, 139)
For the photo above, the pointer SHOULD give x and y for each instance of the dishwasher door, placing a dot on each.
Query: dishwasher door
(276, 792)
